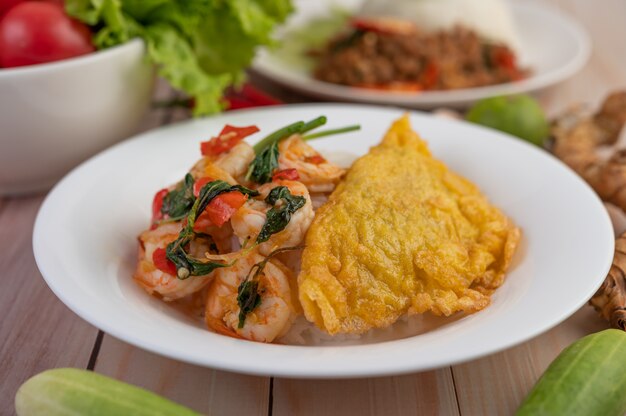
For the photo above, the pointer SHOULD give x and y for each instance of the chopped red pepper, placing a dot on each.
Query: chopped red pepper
(430, 75)
(161, 262)
(228, 138)
(157, 203)
(199, 183)
(220, 209)
(504, 58)
(315, 159)
(288, 174)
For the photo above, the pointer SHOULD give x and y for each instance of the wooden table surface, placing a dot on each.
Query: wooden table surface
(38, 332)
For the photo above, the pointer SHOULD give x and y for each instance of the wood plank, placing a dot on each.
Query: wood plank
(204, 390)
(37, 331)
(427, 393)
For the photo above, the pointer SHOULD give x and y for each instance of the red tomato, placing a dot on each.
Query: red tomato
(288, 174)
(36, 32)
(5, 5)
(227, 139)
(161, 262)
(197, 185)
(157, 203)
(223, 206)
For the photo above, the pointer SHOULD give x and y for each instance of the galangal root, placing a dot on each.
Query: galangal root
(610, 299)
(578, 137)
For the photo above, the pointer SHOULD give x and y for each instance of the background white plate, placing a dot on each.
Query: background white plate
(553, 45)
(85, 245)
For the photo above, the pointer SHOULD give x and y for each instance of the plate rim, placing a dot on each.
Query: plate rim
(454, 98)
(261, 370)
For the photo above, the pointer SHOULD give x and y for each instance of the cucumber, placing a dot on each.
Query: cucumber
(69, 391)
(588, 378)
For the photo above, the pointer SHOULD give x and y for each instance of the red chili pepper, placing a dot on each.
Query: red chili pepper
(199, 184)
(288, 174)
(257, 97)
(161, 262)
(226, 140)
(157, 204)
(430, 75)
(220, 209)
(504, 58)
(315, 159)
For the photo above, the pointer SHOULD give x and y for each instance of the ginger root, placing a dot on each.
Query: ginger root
(610, 299)
(578, 136)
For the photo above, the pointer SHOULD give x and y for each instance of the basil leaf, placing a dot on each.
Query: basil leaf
(179, 201)
(277, 218)
(176, 251)
(264, 165)
(248, 296)
(248, 299)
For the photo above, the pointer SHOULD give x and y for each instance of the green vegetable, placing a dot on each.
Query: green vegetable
(266, 161)
(278, 217)
(199, 46)
(331, 132)
(187, 265)
(248, 296)
(519, 115)
(264, 165)
(588, 378)
(69, 391)
(278, 135)
(179, 201)
(311, 36)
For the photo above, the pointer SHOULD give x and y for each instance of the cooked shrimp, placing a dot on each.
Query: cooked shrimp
(315, 172)
(249, 219)
(230, 166)
(154, 280)
(236, 160)
(270, 319)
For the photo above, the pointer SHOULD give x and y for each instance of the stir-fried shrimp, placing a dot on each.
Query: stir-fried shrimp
(250, 218)
(236, 160)
(155, 280)
(230, 166)
(205, 168)
(270, 319)
(315, 172)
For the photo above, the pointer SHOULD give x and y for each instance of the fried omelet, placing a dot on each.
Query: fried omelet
(402, 234)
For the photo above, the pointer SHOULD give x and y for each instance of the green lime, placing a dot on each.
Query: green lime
(518, 115)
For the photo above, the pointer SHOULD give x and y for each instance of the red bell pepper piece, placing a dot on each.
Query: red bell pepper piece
(157, 203)
(288, 174)
(161, 262)
(199, 184)
(220, 209)
(228, 138)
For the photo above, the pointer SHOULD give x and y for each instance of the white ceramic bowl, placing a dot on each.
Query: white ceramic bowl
(53, 116)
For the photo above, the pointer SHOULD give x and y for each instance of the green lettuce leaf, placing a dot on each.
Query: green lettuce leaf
(200, 46)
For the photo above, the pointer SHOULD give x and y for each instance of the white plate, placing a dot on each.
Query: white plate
(554, 45)
(85, 245)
